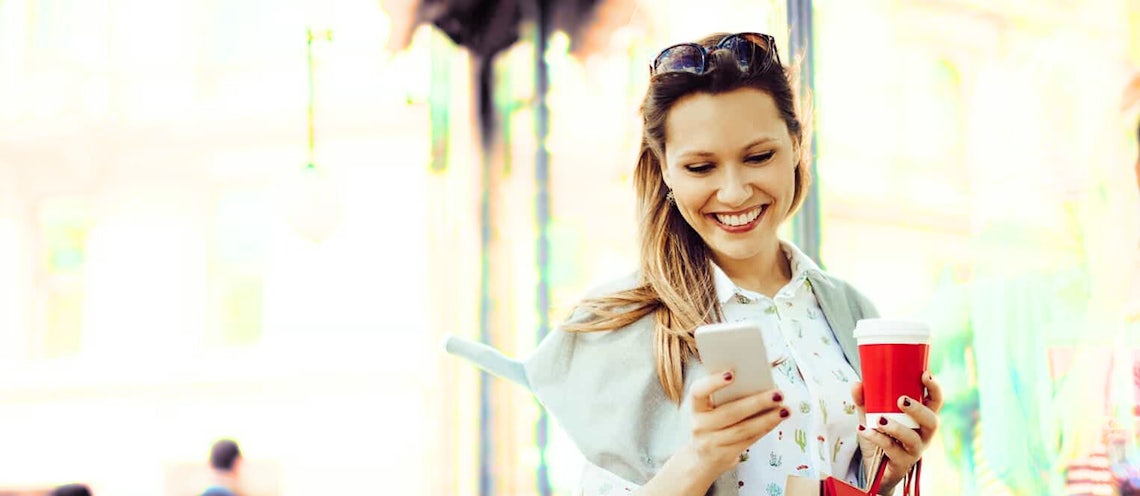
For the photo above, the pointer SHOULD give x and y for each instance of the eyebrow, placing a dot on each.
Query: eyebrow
(704, 154)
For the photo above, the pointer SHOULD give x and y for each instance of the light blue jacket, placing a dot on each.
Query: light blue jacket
(602, 387)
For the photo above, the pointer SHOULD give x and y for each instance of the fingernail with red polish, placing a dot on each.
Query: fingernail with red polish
(906, 402)
(882, 421)
(727, 376)
(777, 397)
(862, 428)
(784, 413)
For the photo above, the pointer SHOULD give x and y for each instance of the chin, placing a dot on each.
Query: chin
(741, 249)
(736, 251)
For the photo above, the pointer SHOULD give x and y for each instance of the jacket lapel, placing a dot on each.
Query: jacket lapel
(841, 315)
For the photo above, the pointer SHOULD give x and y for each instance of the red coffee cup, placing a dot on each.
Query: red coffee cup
(895, 354)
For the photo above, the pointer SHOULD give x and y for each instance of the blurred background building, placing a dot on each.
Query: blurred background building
(172, 270)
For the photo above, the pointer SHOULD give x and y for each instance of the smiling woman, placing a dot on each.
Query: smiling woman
(720, 168)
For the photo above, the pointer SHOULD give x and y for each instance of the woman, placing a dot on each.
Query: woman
(721, 168)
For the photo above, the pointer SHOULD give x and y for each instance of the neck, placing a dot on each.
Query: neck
(225, 478)
(764, 273)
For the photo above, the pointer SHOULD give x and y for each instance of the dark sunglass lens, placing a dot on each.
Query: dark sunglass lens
(742, 49)
(683, 58)
(757, 39)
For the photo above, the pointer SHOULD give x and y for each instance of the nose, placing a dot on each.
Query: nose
(734, 189)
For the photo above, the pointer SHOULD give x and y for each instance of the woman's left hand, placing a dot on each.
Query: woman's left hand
(902, 445)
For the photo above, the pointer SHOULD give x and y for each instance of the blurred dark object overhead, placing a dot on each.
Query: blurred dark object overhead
(487, 27)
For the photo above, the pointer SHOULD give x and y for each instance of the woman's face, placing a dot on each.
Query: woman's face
(730, 162)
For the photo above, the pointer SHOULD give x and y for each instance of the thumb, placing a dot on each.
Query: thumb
(857, 394)
(860, 405)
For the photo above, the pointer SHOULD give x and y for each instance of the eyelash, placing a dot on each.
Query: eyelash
(760, 157)
(757, 158)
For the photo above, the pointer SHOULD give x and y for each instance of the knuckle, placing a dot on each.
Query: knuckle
(764, 423)
(741, 431)
(701, 385)
(743, 411)
(699, 428)
(729, 413)
(760, 402)
(698, 391)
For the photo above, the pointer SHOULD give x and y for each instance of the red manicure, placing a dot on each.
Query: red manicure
(777, 398)
(861, 428)
(906, 402)
(784, 413)
(727, 376)
(882, 421)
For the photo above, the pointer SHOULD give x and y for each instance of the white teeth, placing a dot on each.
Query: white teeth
(739, 220)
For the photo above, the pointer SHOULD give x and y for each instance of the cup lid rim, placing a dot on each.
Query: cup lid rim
(893, 327)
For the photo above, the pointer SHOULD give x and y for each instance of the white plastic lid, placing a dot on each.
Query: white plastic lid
(888, 331)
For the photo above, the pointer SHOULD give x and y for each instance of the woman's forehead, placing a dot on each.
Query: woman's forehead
(734, 119)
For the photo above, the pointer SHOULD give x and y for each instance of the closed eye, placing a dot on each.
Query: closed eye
(699, 168)
(760, 158)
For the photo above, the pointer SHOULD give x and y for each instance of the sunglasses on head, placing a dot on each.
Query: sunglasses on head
(748, 49)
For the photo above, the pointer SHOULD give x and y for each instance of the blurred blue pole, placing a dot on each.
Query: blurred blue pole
(542, 213)
(801, 41)
(485, 78)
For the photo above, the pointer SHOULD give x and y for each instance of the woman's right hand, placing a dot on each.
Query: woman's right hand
(721, 433)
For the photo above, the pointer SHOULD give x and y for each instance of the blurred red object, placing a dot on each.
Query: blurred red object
(799, 486)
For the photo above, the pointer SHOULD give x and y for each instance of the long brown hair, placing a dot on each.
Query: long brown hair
(676, 283)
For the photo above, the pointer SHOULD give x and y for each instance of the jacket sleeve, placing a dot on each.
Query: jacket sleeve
(487, 358)
(600, 387)
(493, 361)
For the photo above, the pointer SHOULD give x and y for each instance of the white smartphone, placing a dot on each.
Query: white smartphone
(739, 347)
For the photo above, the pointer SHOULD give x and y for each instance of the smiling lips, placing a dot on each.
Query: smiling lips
(740, 222)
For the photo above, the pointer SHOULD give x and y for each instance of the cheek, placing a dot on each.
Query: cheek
(690, 201)
(788, 182)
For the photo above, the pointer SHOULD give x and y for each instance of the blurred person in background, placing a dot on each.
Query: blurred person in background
(1125, 469)
(722, 166)
(225, 461)
(71, 490)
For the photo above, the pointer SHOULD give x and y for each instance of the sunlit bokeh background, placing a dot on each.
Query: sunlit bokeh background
(172, 271)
